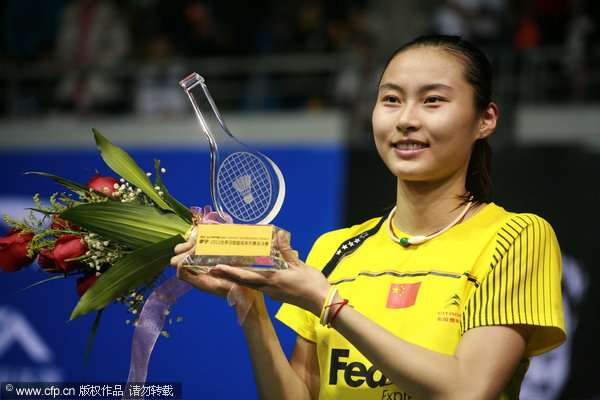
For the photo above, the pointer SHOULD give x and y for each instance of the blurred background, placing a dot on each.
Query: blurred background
(296, 80)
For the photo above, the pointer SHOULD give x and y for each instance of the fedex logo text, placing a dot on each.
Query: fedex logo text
(355, 373)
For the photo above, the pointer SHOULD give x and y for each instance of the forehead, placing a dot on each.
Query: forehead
(424, 65)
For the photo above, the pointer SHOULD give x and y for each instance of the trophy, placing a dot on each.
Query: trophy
(245, 185)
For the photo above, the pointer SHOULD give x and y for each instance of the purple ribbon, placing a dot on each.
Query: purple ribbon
(153, 315)
(150, 325)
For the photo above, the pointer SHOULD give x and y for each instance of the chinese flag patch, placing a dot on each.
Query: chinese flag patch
(402, 295)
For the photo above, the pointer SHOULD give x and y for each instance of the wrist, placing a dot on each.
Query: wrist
(332, 307)
(256, 313)
(320, 300)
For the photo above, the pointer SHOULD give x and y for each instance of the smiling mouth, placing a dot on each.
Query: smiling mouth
(410, 146)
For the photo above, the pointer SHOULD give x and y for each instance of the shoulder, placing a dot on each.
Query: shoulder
(327, 244)
(339, 235)
(510, 224)
(496, 231)
(525, 225)
(524, 235)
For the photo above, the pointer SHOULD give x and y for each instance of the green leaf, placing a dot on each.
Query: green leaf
(40, 282)
(130, 272)
(88, 350)
(122, 163)
(133, 225)
(40, 211)
(179, 208)
(74, 186)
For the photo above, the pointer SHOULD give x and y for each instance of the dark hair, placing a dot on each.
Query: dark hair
(479, 74)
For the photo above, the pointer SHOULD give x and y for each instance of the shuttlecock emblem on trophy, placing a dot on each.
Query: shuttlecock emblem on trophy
(245, 185)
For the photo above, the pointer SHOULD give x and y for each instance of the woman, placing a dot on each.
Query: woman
(449, 296)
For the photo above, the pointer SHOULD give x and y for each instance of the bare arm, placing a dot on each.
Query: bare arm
(275, 377)
(304, 362)
(483, 363)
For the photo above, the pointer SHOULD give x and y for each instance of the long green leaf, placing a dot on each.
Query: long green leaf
(40, 282)
(134, 225)
(88, 350)
(130, 272)
(74, 186)
(179, 208)
(122, 163)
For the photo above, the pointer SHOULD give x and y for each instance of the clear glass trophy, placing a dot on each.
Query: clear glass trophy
(246, 188)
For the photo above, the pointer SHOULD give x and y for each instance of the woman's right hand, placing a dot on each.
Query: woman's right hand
(205, 282)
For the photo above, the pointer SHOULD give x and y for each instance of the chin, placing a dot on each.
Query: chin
(410, 176)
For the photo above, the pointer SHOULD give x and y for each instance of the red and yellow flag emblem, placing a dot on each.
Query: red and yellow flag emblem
(403, 295)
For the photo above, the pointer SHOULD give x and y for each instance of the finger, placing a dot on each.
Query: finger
(178, 259)
(185, 274)
(238, 275)
(193, 234)
(183, 247)
(175, 261)
(289, 255)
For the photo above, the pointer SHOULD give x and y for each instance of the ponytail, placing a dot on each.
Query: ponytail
(479, 173)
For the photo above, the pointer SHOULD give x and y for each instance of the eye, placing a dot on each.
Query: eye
(432, 100)
(390, 99)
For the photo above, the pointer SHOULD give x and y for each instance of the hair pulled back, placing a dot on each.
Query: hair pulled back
(479, 74)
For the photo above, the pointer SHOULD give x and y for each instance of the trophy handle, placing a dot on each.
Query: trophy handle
(245, 183)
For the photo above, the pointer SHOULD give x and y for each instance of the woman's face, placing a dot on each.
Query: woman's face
(424, 121)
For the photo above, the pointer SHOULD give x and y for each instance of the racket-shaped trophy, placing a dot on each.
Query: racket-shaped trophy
(245, 185)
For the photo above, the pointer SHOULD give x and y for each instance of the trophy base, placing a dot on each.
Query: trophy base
(204, 263)
(251, 247)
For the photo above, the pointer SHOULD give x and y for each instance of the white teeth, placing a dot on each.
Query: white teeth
(410, 146)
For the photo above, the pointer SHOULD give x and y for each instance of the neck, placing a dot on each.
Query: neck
(424, 208)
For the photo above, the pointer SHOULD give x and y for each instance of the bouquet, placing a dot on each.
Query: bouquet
(115, 236)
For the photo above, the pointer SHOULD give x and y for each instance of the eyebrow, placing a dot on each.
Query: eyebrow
(424, 89)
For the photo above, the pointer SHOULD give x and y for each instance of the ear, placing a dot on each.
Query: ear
(487, 121)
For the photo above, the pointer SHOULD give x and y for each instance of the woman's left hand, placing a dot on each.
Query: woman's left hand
(300, 284)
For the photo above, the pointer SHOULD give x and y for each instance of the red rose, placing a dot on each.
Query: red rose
(13, 250)
(84, 283)
(104, 184)
(46, 260)
(68, 247)
(60, 224)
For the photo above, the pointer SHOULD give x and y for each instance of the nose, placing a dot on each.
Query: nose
(408, 119)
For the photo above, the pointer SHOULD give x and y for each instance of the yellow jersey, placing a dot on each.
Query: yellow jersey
(496, 268)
